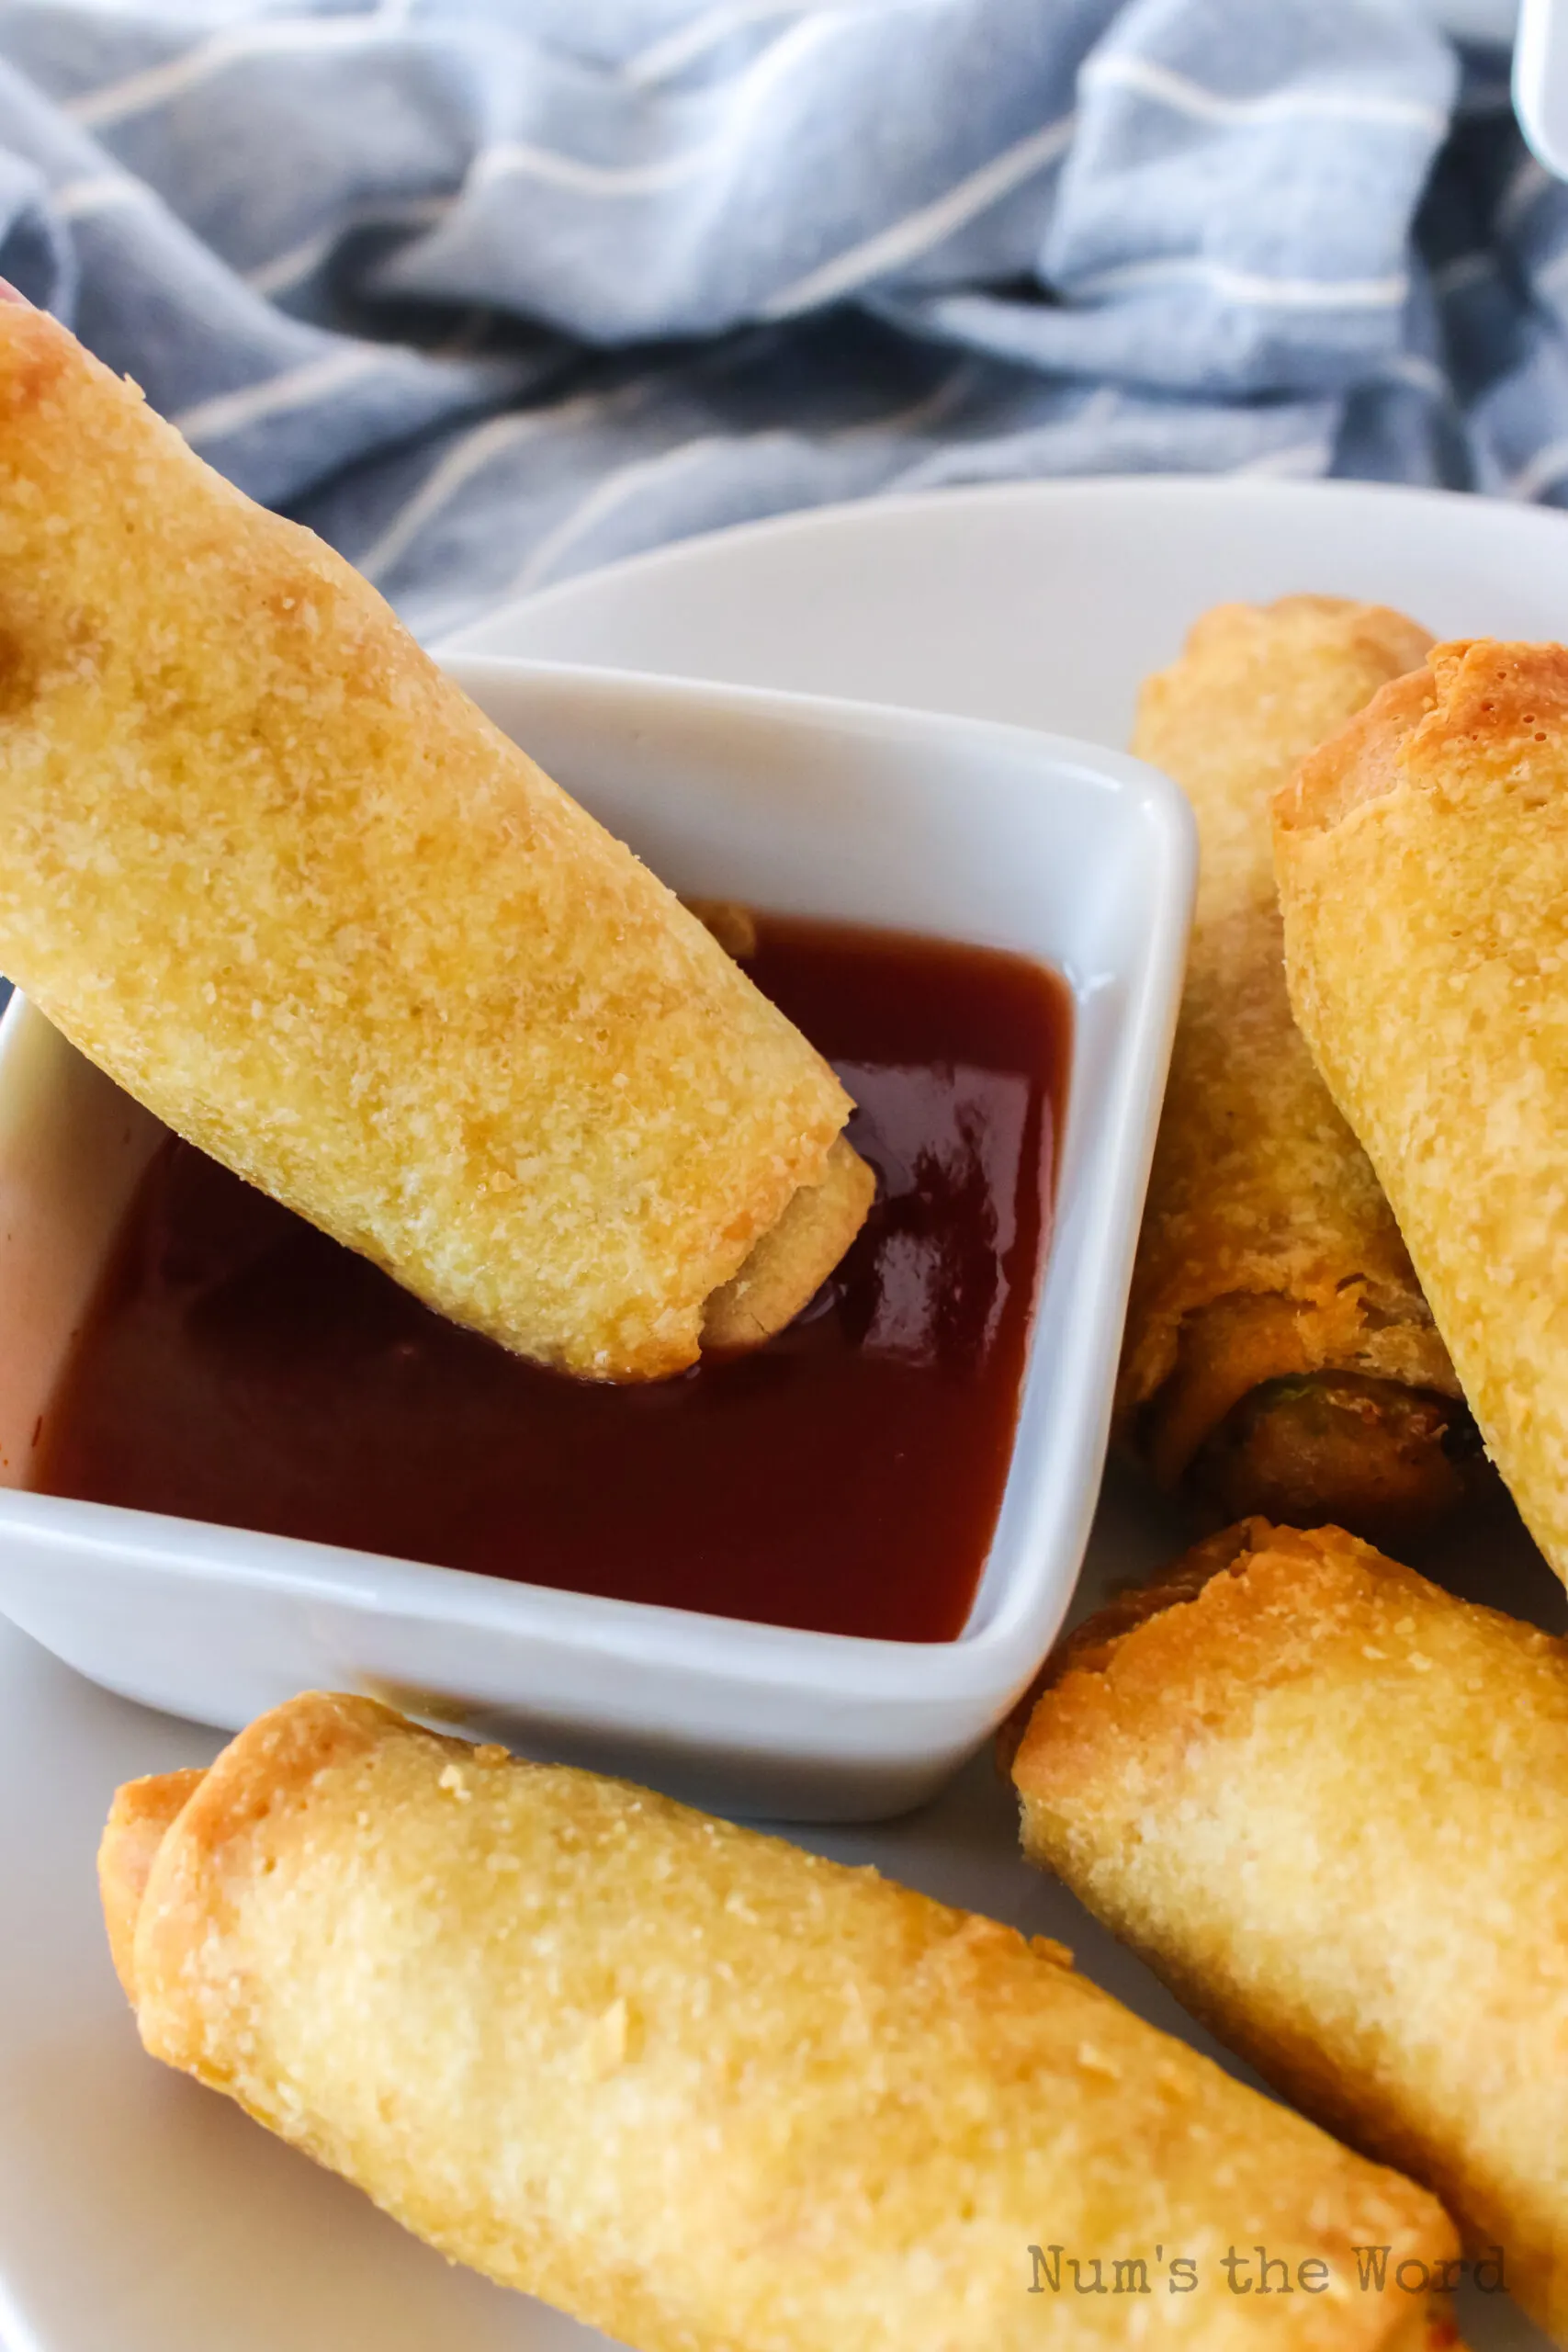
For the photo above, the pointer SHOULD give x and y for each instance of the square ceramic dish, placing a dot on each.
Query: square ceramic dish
(1078, 857)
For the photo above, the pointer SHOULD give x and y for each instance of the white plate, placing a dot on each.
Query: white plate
(141, 2214)
(1041, 603)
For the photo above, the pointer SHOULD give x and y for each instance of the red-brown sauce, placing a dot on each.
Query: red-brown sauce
(238, 1367)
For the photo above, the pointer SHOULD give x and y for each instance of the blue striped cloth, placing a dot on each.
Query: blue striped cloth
(490, 290)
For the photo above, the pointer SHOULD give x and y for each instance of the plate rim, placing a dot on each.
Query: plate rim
(482, 636)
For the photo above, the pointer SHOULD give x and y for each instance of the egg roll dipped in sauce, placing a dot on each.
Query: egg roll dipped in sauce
(1327, 1802)
(263, 862)
(702, 2090)
(1279, 1354)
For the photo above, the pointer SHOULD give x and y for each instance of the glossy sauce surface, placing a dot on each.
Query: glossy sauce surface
(240, 1367)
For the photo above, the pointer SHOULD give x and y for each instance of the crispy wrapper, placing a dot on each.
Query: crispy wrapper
(269, 869)
(700, 2088)
(1423, 862)
(1279, 1353)
(1328, 1804)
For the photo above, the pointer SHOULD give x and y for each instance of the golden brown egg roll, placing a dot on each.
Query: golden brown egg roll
(702, 2090)
(1279, 1354)
(267, 867)
(1423, 860)
(1328, 1804)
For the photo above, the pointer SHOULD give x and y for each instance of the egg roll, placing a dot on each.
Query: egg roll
(1327, 1802)
(1279, 1354)
(268, 867)
(702, 2090)
(1423, 862)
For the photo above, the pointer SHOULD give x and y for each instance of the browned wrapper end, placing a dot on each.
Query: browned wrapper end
(142, 1814)
(1134, 1649)
(1091, 1645)
(1362, 762)
(790, 1265)
(164, 1834)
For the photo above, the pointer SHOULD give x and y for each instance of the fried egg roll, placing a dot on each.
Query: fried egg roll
(700, 2088)
(1423, 860)
(272, 871)
(1279, 1354)
(1328, 1804)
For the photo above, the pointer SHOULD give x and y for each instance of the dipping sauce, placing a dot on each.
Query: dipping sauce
(240, 1367)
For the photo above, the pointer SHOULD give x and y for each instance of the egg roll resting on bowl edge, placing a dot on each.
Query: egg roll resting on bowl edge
(706, 2091)
(1279, 1354)
(1423, 868)
(1327, 1802)
(266, 865)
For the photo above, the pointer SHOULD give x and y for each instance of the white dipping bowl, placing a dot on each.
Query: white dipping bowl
(1078, 857)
